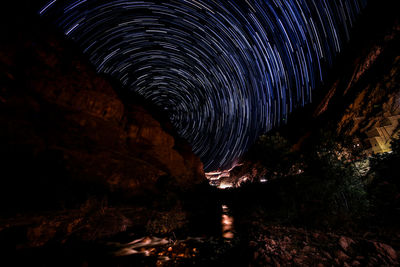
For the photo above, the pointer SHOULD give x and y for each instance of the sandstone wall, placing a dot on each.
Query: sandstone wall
(63, 125)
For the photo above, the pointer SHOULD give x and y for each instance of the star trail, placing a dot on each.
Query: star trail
(225, 71)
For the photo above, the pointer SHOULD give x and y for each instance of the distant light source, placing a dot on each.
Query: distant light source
(225, 185)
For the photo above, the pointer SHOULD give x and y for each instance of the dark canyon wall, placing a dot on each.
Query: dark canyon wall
(66, 131)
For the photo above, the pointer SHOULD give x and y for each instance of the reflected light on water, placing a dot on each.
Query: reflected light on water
(227, 223)
(140, 246)
(163, 249)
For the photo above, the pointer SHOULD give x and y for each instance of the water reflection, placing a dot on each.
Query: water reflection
(227, 223)
(139, 246)
(163, 249)
(169, 251)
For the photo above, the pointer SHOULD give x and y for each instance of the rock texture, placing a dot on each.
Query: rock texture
(375, 84)
(64, 128)
(288, 246)
(364, 90)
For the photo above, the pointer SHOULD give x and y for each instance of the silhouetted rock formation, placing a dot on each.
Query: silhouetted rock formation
(67, 132)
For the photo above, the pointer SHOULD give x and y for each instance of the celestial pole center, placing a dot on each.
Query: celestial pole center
(225, 71)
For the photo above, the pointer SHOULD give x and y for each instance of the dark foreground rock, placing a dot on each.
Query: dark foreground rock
(289, 246)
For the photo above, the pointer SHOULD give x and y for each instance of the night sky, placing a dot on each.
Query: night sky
(225, 71)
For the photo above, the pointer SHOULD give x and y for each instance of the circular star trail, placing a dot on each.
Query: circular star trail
(225, 71)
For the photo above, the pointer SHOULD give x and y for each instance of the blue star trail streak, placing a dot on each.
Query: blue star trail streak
(225, 71)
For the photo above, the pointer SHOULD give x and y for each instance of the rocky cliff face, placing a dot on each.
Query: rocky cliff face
(361, 92)
(375, 84)
(364, 92)
(65, 129)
